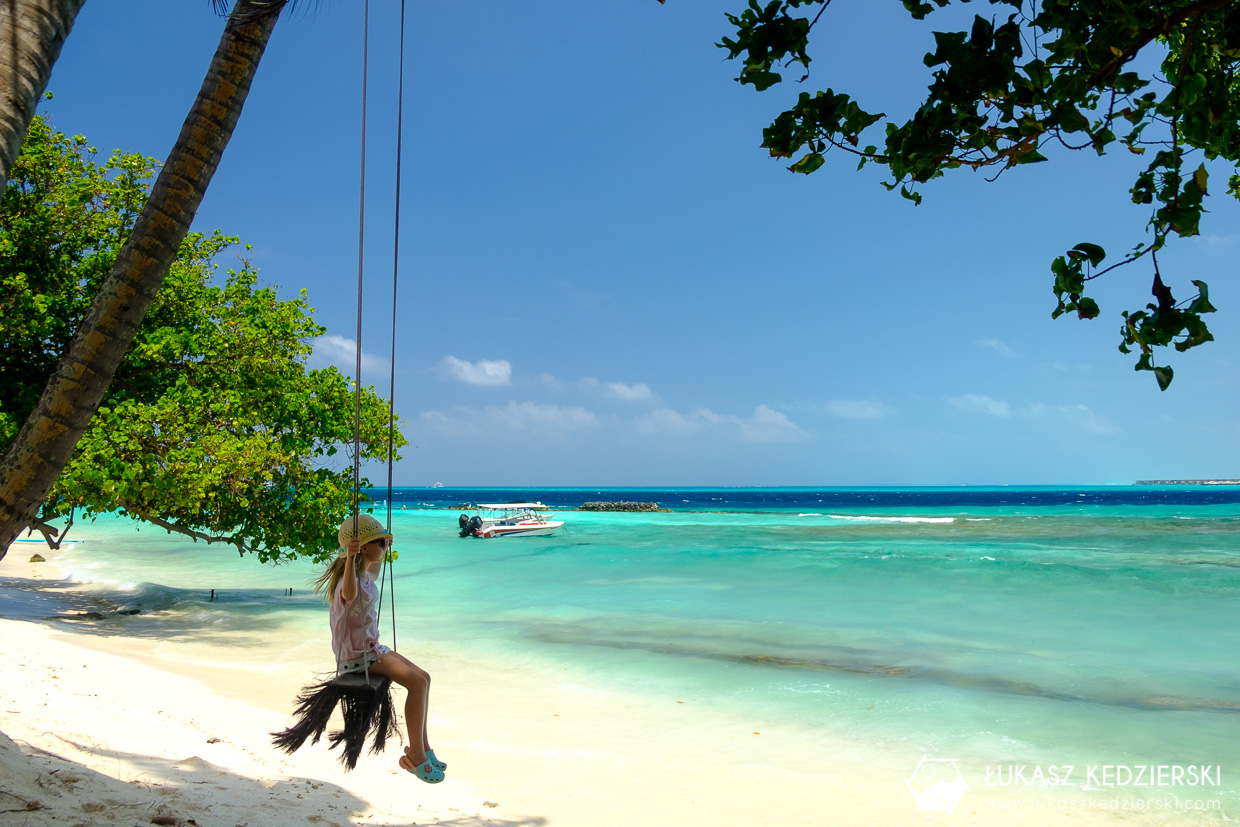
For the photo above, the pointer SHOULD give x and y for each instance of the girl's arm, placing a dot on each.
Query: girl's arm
(350, 571)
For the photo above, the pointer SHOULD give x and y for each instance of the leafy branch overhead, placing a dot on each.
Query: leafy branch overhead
(213, 426)
(1032, 77)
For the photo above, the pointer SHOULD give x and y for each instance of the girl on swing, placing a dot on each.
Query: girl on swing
(350, 583)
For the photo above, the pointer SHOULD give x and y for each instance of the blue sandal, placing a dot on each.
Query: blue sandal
(439, 765)
(426, 771)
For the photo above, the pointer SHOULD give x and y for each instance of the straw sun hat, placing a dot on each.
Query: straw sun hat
(368, 528)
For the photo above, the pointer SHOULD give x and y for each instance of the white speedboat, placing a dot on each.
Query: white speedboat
(507, 520)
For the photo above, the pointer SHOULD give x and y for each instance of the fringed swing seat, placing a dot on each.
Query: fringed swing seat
(365, 703)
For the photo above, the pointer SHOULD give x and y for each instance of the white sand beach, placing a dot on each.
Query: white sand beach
(102, 729)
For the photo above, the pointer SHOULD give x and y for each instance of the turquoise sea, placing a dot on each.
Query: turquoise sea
(993, 626)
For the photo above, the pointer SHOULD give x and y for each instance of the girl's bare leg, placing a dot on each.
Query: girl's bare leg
(417, 684)
(426, 706)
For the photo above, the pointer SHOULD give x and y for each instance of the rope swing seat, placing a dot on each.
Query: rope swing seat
(364, 700)
(365, 704)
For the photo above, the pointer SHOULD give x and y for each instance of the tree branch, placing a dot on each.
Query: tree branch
(172, 366)
(1127, 260)
(815, 20)
(49, 532)
(193, 534)
(1195, 10)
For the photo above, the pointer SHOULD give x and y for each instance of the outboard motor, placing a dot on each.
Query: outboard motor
(464, 523)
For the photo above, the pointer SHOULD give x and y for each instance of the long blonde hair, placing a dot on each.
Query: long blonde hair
(325, 584)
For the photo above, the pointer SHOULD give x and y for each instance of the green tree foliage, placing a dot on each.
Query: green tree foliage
(213, 425)
(1034, 74)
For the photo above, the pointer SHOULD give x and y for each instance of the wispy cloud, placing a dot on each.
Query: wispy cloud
(859, 409)
(639, 392)
(546, 380)
(996, 345)
(583, 297)
(1078, 417)
(342, 353)
(1215, 241)
(485, 372)
(499, 422)
(766, 424)
(978, 404)
(546, 421)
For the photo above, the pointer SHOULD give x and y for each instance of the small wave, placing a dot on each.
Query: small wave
(868, 519)
(984, 557)
(678, 582)
(978, 519)
(811, 514)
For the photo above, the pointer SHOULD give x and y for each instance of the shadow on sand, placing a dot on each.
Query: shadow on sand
(48, 788)
(149, 611)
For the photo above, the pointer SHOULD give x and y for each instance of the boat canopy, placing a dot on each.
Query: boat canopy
(514, 506)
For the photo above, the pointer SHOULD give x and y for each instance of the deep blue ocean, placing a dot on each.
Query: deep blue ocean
(995, 625)
(766, 499)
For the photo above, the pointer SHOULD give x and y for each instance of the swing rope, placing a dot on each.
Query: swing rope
(361, 248)
(400, 104)
(386, 578)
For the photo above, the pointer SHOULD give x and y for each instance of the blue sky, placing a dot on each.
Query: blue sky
(605, 281)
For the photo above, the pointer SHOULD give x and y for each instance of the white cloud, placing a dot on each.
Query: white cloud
(485, 372)
(514, 418)
(618, 390)
(995, 345)
(536, 416)
(976, 403)
(342, 353)
(766, 424)
(859, 409)
(547, 421)
(1214, 241)
(1079, 417)
(1065, 368)
(669, 422)
(549, 381)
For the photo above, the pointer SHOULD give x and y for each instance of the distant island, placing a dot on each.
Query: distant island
(1189, 482)
(621, 506)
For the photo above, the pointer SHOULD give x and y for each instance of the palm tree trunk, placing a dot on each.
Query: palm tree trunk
(73, 393)
(31, 34)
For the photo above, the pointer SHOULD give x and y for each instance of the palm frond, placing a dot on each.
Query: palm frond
(258, 8)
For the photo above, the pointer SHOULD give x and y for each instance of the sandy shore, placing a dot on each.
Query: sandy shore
(101, 728)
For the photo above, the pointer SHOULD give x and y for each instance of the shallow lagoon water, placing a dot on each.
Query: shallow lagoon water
(994, 626)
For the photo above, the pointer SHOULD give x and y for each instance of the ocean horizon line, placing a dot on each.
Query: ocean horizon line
(861, 487)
